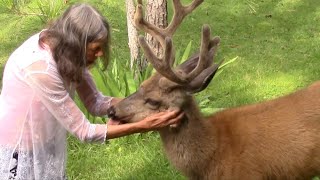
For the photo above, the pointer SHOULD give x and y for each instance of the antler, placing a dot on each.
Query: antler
(180, 12)
(164, 64)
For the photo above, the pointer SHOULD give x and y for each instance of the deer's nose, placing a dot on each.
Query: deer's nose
(111, 112)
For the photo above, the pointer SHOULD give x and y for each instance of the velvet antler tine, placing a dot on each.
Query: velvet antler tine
(147, 27)
(203, 59)
(164, 65)
(157, 63)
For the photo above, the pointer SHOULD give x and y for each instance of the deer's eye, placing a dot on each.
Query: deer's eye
(153, 103)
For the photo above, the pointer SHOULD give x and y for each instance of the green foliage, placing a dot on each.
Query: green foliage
(137, 157)
(117, 81)
(205, 100)
(220, 69)
(142, 75)
(8, 4)
(316, 178)
(46, 10)
(49, 9)
(14, 5)
(186, 53)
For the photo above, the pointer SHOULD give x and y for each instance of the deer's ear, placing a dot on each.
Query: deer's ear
(202, 80)
(192, 62)
(196, 85)
(189, 64)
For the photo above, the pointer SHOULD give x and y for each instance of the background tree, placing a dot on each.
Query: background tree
(156, 13)
(133, 44)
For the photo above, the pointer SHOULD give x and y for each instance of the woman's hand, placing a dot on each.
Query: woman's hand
(161, 119)
(150, 123)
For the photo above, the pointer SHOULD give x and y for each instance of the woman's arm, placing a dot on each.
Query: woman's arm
(49, 88)
(95, 102)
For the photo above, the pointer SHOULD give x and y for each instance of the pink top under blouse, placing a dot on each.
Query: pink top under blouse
(37, 111)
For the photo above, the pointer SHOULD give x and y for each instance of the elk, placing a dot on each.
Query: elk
(275, 139)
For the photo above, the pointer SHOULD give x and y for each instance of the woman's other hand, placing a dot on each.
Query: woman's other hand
(150, 123)
(161, 119)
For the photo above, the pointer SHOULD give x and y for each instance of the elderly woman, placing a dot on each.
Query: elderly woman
(36, 103)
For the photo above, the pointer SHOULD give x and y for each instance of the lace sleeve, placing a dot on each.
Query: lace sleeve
(96, 103)
(48, 86)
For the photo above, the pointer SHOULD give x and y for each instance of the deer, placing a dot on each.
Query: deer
(273, 139)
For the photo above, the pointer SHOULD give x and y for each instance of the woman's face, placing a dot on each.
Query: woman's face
(94, 50)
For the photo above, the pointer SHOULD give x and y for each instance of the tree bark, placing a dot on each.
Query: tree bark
(135, 52)
(156, 13)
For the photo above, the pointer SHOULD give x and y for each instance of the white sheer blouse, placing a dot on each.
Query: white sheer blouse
(37, 110)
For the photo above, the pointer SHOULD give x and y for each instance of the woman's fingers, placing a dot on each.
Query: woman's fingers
(172, 113)
(172, 118)
(163, 119)
(174, 122)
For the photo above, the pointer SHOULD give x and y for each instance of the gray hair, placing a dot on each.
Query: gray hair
(69, 36)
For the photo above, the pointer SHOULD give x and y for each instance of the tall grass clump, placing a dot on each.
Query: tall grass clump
(49, 9)
(14, 6)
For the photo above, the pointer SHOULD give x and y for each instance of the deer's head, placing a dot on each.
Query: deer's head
(170, 87)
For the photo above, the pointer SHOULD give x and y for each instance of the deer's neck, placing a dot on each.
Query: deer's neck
(190, 144)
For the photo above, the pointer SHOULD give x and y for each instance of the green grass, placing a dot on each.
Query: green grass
(277, 46)
(133, 158)
(277, 43)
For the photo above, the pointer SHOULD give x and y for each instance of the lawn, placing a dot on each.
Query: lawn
(276, 43)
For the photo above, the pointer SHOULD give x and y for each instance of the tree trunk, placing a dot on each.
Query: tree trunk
(156, 13)
(133, 36)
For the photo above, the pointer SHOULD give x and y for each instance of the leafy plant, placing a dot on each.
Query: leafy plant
(116, 81)
(139, 75)
(220, 69)
(181, 58)
(14, 5)
(8, 4)
(49, 9)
